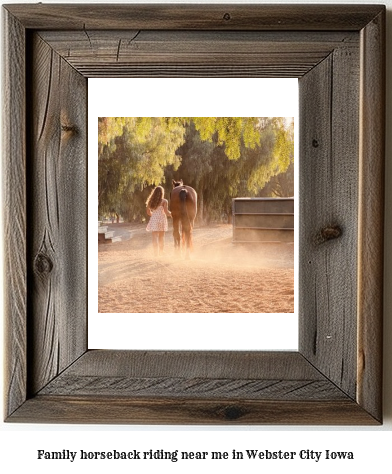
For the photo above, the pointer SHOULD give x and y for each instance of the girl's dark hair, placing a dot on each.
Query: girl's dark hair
(155, 198)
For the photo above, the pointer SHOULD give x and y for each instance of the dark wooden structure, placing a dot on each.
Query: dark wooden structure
(263, 220)
(337, 52)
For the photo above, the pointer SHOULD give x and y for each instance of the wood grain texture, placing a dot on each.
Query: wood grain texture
(196, 53)
(371, 216)
(205, 374)
(196, 387)
(57, 215)
(195, 17)
(14, 213)
(329, 167)
(195, 364)
(103, 409)
(187, 387)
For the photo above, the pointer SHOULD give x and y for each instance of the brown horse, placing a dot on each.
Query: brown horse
(183, 206)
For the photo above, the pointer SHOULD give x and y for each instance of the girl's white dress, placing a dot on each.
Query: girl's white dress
(158, 220)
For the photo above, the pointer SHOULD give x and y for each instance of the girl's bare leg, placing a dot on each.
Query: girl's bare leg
(155, 238)
(161, 242)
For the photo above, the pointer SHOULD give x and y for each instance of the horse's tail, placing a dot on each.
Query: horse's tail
(185, 221)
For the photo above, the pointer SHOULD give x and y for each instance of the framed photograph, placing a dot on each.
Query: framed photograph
(337, 53)
(238, 267)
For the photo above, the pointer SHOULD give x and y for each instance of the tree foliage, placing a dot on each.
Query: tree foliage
(230, 132)
(133, 153)
(221, 157)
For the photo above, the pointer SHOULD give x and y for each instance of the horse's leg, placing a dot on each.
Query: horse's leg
(176, 233)
(183, 238)
(191, 238)
(187, 237)
(187, 241)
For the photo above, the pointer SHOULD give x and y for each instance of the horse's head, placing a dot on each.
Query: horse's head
(177, 183)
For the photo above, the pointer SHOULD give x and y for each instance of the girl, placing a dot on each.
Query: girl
(157, 209)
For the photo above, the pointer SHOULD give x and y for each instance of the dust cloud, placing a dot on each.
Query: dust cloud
(219, 277)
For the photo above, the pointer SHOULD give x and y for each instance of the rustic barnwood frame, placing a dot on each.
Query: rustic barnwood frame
(337, 52)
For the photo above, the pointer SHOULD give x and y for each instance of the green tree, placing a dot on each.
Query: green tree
(230, 132)
(281, 184)
(133, 154)
(221, 157)
(218, 180)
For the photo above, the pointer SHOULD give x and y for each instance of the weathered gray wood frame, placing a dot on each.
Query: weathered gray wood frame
(337, 52)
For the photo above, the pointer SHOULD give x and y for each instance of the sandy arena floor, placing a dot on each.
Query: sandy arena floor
(220, 277)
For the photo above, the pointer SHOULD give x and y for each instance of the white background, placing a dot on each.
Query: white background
(171, 97)
(371, 445)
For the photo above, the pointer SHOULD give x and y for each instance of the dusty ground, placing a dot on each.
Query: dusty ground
(220, 277)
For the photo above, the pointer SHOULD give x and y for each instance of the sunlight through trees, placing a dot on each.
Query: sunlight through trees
(221, 157)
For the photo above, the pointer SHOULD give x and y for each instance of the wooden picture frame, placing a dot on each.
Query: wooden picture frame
(338, 54)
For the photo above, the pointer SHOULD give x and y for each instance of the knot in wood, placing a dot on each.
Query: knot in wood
(227, 16)
(232, 413)
(328, 233)
(43, 264)
(68, 128)
(315, 143)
